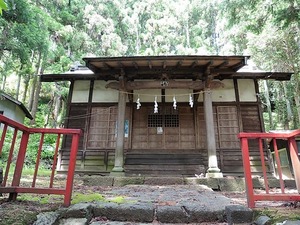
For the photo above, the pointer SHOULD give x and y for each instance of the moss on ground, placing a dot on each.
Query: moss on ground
(278, 215)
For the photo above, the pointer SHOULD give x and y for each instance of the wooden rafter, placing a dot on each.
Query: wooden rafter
(194, 64)
(106, 65)
(179, 63)
(225, 63)
(136, 66)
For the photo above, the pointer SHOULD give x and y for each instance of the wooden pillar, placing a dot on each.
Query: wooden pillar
(213, 169)
(119, 151)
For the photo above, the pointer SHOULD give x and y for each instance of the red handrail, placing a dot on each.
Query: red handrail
(15, 186)
(290, 137)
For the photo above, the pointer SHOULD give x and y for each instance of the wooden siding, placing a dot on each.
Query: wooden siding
(232, 162)
(102, 128)
(164, 162)
(180, 149)
(88, 161)
(77, 119)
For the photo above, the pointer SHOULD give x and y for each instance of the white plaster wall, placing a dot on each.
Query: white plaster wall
(181, 95)
(81, 91)
(102, 94)
(12, 111)
(222, 94)
(247, 90)
(147, 95)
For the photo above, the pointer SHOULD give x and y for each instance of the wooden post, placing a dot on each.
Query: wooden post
(119, 152)
(213, 170)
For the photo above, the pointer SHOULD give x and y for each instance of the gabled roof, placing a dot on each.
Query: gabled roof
(16, 102)
(165, 67)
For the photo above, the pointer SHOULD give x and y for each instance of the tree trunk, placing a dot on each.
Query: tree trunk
(36, 92)
(36, 99)
(26, 84)
(288, 108)
(268, 103)
(3, 82)
(19, 83)
(49, 114)
(57, 107)
(34, 82)
(62, 113)
(297, 103)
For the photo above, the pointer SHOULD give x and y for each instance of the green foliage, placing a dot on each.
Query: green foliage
(49, 36)
(3, 6)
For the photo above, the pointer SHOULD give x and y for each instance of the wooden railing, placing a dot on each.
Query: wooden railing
(292, 150)
(17, 154)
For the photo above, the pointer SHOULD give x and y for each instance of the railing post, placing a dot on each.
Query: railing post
(247, 172)
(279, 170)
(3, 137)
(295, 161)
(19, 164)
(71, 171)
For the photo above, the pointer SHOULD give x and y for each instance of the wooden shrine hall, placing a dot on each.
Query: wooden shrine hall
(162, 115)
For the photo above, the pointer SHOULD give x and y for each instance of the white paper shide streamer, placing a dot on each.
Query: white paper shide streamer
(174, 103)
(138, 104)
(155, 105)
(191, 102)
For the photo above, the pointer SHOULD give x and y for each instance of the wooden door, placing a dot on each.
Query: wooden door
(168, 129)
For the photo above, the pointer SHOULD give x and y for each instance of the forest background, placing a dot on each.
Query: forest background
(41, 36)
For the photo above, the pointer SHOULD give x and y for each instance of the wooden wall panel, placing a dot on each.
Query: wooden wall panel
(176, 133)
(102, 128)
(187, 139)
(227, 126)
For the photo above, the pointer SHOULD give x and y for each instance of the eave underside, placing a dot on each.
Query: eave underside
(165, 68)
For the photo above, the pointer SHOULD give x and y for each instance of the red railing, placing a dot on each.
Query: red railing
(17, 155)
(292, 150)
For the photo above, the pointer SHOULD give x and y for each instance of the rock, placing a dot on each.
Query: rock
(47, 218)
(290, 222)
(80, 210)
(263, 220)
(238, 214)
(123, 181)
(72, 221)
(137, 212)
(171, 214)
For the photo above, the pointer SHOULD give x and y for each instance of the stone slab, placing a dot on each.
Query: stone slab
(137, 212)
(238, 214)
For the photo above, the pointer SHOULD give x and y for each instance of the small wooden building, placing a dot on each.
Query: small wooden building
(13, 109)
(162, 115)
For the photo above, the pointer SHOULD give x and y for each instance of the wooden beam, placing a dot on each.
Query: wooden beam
(149, 64)
(179, 63)
(164, 64)
(136, 66)
(194, 64)
(222, 64)
(105, 65)
(171, 84)
(122, 83)
(130, 97)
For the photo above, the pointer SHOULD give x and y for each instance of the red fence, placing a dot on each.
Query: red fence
(259, 140)
(17, 153)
